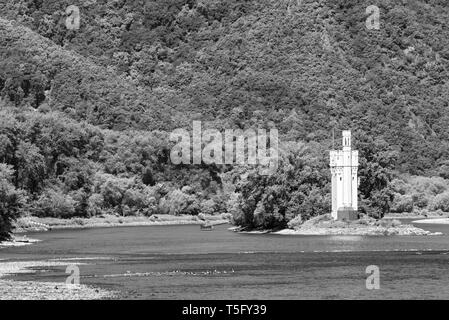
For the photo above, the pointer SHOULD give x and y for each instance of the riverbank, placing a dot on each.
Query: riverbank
(33, 290)
(33, 224)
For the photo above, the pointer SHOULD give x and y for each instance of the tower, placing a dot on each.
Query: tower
(343, 164)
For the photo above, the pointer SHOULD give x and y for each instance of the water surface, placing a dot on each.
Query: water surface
(181, 262)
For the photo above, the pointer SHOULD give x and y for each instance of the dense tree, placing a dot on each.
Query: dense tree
(300, 186)
(11, 201)
(82, 111)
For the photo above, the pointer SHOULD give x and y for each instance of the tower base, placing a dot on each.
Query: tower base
(347, 214)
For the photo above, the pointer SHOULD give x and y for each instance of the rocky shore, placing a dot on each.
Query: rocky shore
(325, 225)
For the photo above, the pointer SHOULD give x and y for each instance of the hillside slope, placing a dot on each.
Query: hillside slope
(302, 66)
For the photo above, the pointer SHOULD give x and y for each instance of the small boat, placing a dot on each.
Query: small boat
(206, 227)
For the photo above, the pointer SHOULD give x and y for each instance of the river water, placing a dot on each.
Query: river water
(181, 262)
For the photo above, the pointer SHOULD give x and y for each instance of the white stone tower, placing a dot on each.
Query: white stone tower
(344, 165)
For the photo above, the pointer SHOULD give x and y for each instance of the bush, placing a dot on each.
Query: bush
(95, 204)
(113, 190)
(295, 222)
(53, 203)
(388, 223)
(135, 199)
(431, 186)
(208, 207)
(420, 200)
(177, 202)
(440, 202)
(378, 204)
(365, 220)
(399, 186)
(402, 203)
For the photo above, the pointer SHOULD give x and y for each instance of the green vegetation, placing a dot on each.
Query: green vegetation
(86, 114)
(11, 201)
(420, 195)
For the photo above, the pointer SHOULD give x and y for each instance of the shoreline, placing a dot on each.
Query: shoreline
(25, 225)
(326, 226)
(405, 230)
(36, 224)
(415, 217)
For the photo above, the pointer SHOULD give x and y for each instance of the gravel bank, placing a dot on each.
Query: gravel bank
(33, 290)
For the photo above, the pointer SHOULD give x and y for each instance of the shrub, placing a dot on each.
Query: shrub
(432, 185)
(135, 199)
(295, 222)
(399, 186)
(441, 202)
(365, 220)
(176, 203)
(53, 203)
(113, 190)
(402, 203)
(226, 216)
(81, 202)
(378, 204)
(420, 200)
(388, 223)
(95, 204)
(208, 207)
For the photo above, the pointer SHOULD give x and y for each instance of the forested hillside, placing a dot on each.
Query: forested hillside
(88, 112)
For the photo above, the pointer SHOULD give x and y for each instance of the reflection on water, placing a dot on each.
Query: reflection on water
(181, 262)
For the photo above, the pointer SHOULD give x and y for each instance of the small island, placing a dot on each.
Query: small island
(325, 225)
(366, 226)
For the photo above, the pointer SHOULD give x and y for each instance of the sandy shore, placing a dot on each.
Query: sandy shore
(433, 221)
(33, 290)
